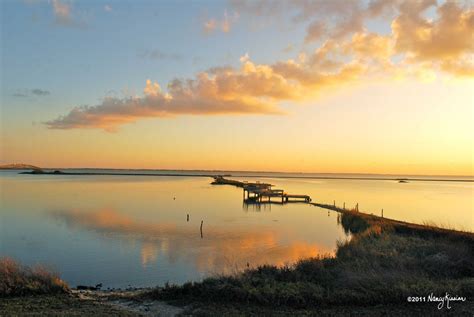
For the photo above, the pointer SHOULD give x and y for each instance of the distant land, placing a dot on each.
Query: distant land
(402, 178)
(18, 166)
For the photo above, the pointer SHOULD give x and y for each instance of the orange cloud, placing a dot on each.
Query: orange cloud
(210, 25)
(449, 36)
(370, 46)
(62, 12)
(443, 44)
(223, 25)
(446, 42)
(251, 89)
(316, 30)
(219, 91)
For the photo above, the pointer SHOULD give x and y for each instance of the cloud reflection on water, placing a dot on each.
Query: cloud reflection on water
(223, 249)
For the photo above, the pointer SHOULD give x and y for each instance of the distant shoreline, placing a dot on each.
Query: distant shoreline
(243, 173)
(404, 179)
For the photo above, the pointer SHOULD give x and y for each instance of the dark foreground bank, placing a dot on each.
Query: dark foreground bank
(387, 267)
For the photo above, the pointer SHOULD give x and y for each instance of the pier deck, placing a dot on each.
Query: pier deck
(261, 192)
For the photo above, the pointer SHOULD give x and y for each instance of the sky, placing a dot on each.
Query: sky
(376, 86)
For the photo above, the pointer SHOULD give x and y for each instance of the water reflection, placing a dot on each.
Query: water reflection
(149, 252)
(251, 204)
(223, 249)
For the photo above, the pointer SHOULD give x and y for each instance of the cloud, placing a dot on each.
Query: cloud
(445, 43)
(107, 8)
(382, 7)
(324, 19)
(65, 16)
(370, 46)
(28, 93)
(224, 24)
(316, 30)
(40, 92)
(449, 36)
(288, 48)
(210, 25)
(157, 54)
(62, 12)
(348, 53)
(459, 68)
(207, 94)
(19, 95)
(250, 89)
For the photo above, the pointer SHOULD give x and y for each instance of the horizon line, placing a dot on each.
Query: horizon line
(243, 171)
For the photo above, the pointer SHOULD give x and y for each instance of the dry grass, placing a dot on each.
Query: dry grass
(19, 280)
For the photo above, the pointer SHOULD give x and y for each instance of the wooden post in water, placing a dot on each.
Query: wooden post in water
(187, 218)
(344, 206)
(382, 212)
(201, 227)
(334, 203)
(357, 207)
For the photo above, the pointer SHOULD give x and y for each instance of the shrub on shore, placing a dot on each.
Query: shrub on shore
(19, 280)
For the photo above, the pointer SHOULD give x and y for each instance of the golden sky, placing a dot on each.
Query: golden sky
(384, 86)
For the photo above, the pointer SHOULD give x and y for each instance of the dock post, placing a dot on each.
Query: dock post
(344, 206)
(201, 227)
(357, 207)
(334, 203)
(382, 212)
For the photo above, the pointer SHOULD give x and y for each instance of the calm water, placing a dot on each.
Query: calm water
(131, 230)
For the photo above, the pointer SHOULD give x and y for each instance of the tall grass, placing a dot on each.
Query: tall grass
(19, 280)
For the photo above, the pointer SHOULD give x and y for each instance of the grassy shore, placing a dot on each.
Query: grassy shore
(383, 264)
(19, 280)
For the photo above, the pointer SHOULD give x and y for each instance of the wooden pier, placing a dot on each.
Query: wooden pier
(262, 192)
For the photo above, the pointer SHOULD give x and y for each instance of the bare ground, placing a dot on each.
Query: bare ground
(87, 303)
